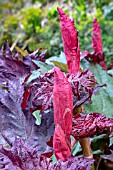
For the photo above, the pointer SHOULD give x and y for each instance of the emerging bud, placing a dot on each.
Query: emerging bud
(70, 41)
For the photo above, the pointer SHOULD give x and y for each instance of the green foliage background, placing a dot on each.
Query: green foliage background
(32, 24)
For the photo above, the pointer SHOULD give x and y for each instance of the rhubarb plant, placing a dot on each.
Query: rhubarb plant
(45, 110)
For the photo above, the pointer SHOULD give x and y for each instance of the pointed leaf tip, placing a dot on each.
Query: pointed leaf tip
(96, 37)
(70, 42)
(58, 75)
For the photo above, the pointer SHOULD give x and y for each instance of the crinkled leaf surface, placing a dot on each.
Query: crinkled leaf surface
(42, 88)
(91, 124)
(103, 101)
(16, 117)
(22, 157)
(83, 86)
(74, 163)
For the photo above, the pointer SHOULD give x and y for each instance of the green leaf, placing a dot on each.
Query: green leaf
(98, 143)
(44, 67)
(61, 59)
(110, 72)
(35, 74)
(111, 139)
(62, 66)
(53, 157)
(103, 101)
(76, 149)
(37, 115)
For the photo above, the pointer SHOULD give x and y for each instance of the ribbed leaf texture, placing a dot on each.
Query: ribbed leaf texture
(98, 55)
(70, 41)
(90, 125)
(24, 157)
(16, 117)
(83, 86)
(74, 163)
(42, 88)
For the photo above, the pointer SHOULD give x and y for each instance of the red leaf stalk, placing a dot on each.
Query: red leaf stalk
(63, 104)
(70, 42)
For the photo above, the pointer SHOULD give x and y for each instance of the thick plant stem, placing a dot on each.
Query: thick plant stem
(85, 144)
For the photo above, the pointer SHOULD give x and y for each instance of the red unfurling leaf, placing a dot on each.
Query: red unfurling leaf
(98, 55)
(96, 37)
(62, 102)
(70, 41)
(61, 148)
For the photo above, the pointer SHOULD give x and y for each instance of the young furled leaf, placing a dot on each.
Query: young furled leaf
(70, 41)
(96, 37)
(61, 148)
(98, 55)
(62, 102)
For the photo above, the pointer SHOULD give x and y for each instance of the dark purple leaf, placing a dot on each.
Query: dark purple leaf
(90, 125)
(22, 157)
(42, 88)
(74, 163)
(16, 106)
(97, 57)
(83, 86)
